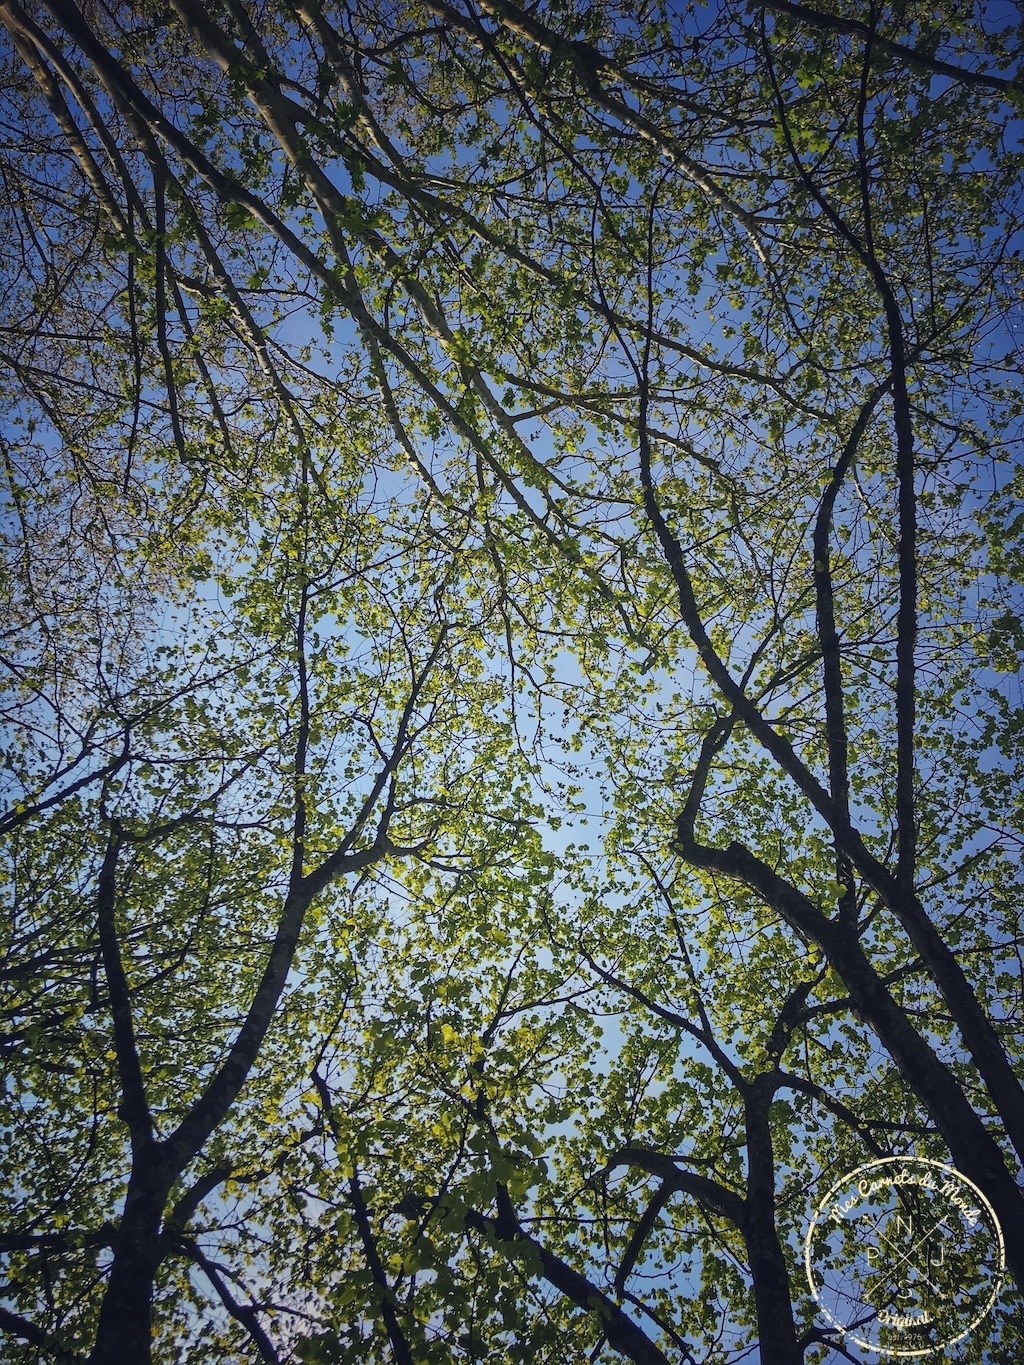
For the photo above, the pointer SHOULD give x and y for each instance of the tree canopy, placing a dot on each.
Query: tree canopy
(512, 522)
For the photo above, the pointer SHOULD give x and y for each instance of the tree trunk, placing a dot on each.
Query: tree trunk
(772, 1297)
(124, 1333)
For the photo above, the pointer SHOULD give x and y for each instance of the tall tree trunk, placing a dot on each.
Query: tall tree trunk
(124, 1333)
(772, 1297)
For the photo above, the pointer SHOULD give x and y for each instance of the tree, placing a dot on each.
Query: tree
(516, 411)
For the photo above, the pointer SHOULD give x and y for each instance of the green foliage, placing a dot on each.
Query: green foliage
(513, 573)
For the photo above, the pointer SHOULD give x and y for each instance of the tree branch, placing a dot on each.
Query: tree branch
(910, 56)
(134, 1105)
(18, 1326)
(246, 1314)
